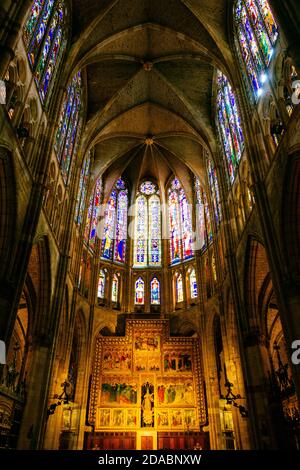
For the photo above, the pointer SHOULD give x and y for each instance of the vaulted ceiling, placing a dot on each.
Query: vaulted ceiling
(149, 69)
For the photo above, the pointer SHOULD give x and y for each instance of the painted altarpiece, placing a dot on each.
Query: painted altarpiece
(147, 380)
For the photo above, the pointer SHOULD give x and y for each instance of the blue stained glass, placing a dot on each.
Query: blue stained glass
(155, 291)
(69, 129)
(180, 224)
(256, 36)
(147, 240)
(43, 38)
(90, 233)
(115, 224)
(229, 125)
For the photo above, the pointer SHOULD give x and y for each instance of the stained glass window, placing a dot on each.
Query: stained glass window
(90, 233)
(204, 226)
(155, 291)
(44, 41)
(256, 36)
(139, 291)
(214, 190)
(180, 224)
(115, 224)
(193, 284)
(101, 284)
(147, 240)
(69, 128)
(229, 125)
(115, 289)
(83, 185)
(179, 288)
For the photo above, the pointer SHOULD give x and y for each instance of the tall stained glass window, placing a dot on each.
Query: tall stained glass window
(69, 127)
(90, 233)
(180, 224)
(203, 220)
(83, 185)
(101, 284)
(193, 284)
(139, 292)
(115, 289)
(214, 190)
(179, 288)
(43, 36)
(147, 240)
(155, 291)
(256, 36)
(229, 125)
(115, 224)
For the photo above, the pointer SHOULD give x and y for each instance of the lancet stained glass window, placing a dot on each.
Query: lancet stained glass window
(214, 189)
(115, 224)
(193, 284)
(69, 128)
(204, 226)
(115, 289)
(139, 292)
(256, 36)
(101, 284)
(179, 288)
(155, 291)
(229, 125)
(147, 240)
(90, 233)
(44, 41)
(83, 185)
(180, 224)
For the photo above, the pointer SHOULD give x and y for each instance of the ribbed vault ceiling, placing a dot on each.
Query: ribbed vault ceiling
(149, 67)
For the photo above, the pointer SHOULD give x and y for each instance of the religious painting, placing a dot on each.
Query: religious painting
(189, 418)
(132, 418)
(146, 341)
(104, 417)
(147, 398)
(175, 361)
(116, 360)
(184, 419)
(118, 394)
(147, 362)
(118, 420)
(175, 394)
(162, 419)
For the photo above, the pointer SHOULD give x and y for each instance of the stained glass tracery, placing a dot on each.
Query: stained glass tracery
(180, 224)
(44, 40)
(256, 36)
(69, 128)
(229, 125)
(147, 240)
(115, 224)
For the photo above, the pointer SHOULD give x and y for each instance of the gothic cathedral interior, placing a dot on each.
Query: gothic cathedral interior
(149, 224)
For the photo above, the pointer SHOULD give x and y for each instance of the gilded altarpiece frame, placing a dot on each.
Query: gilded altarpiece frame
(147, 380)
